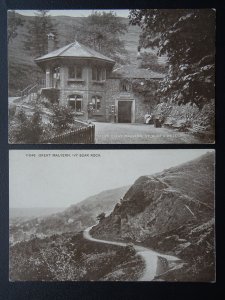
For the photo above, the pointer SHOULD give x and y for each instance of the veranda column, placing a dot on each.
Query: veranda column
(48, 77)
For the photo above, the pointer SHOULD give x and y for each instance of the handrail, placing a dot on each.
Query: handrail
(31, 87)
(26, 87)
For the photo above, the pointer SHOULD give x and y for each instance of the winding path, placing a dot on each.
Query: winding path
(150, 257)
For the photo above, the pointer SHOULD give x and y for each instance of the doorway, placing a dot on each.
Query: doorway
(124, 111)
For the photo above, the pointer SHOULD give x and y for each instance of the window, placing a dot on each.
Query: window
(98, 74)
(125, 86)
(96, 103)
(94, 74)
(75, 72)
(75, 102)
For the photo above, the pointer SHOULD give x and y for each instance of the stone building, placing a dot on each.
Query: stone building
(83, 79)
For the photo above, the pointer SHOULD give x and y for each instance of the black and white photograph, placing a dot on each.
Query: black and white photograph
(112, 215)
(123, 76)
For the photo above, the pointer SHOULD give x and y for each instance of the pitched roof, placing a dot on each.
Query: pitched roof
(75, 50)
(132, 71)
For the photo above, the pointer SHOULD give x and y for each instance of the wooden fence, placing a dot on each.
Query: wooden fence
(83, 135)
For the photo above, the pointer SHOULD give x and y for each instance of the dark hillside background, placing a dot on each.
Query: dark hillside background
(22, 69)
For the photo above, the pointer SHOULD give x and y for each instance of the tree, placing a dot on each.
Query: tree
(150, 61)
(14, 22)
(39, 27)
(101, 217)
(187, 37)
(101, 31)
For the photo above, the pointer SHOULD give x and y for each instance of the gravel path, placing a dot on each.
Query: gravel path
(117, 133)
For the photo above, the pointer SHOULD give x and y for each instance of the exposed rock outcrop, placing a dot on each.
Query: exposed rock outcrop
(172, 211)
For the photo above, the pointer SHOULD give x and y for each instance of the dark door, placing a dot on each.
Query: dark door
(124, 111)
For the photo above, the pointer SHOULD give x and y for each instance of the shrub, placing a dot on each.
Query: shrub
(12, 111)
(63, 117)
(27, 129)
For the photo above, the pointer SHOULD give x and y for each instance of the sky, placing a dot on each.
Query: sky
(56, 181)
(75, 13)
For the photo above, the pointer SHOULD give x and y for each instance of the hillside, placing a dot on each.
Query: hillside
(21, 62)
(172, 212)
(74, 219)
(69, 257)
(25, 213)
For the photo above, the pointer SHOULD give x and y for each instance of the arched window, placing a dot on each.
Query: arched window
(76, 102)
(96, 102)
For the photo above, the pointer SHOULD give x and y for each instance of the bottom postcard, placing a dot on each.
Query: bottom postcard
(112, 215)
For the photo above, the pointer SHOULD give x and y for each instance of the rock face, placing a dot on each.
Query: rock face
(172, 211)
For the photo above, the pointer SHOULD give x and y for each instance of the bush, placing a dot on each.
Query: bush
(12, 111)
(63, 117)
(27, 129)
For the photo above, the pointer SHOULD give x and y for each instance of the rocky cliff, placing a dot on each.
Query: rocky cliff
(173, 212)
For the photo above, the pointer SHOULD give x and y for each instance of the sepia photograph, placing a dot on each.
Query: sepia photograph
(112, 215)
(123, 76)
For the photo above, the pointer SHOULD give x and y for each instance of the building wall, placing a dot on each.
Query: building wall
(86, 88)
(109, 91)
(78, 87)
(97, 89)
(114, 93)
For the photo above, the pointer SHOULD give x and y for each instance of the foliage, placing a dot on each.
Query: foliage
(27, 129)
(14, 22)
(70, 257)
(145, 88)
(187, 37)
(101, 31)
(101, 217)
(150, 61)
(40, 26)
(12, 111)
(62, 118)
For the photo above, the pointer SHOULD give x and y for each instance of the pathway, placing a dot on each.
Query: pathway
(121, 133)
(149, 256)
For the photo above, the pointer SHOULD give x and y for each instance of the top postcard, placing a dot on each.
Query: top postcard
(139, 76)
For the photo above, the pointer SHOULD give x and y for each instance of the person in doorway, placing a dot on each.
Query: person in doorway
(148, 118)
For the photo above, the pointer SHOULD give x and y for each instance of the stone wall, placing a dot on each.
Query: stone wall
(110, 93)
(86, 88)
(143, 104)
